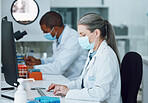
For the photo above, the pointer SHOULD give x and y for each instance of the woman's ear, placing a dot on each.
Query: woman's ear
(97, 33)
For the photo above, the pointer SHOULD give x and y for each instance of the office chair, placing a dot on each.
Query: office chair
(131, 76)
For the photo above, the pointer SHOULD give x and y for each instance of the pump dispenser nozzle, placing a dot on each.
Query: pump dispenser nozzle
(20, 80)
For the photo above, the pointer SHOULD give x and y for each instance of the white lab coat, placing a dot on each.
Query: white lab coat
(101, 78)
(68, 57)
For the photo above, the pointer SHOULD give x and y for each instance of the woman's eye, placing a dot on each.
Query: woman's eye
(83, 34)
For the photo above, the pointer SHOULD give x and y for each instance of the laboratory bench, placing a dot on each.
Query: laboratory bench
(47, 80)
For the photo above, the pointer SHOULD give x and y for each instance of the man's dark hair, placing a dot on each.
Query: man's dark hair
(51, 19)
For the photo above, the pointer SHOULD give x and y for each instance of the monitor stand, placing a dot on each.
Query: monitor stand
(6, 88)
(5, 96)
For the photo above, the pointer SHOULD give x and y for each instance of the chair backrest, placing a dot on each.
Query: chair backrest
(131, 76)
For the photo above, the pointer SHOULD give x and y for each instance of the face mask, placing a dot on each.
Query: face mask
(48, 36)
(84, 43)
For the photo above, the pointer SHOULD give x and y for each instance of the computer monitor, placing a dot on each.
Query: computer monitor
(9, 60)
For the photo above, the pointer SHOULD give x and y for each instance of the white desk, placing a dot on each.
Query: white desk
(47, 80)
(145, 80)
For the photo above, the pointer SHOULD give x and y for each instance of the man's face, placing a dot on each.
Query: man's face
(45, 29)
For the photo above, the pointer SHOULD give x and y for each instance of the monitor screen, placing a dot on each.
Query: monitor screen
(9, 60)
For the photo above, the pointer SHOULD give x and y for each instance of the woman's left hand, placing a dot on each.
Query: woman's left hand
(61, 90)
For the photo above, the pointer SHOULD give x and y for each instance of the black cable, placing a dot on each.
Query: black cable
(9, 88)
(8, 97)
(5, 96)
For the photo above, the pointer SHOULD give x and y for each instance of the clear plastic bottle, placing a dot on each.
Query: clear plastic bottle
(20, 95)
(21, 51)
(26, 51)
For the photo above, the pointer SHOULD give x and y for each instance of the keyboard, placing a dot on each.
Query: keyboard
(43, 92)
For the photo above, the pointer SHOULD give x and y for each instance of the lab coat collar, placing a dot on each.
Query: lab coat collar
(100, 49)
(65, 34)
(63, 39)
(99, 52)
(60, 37)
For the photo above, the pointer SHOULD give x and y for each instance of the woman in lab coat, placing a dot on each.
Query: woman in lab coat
(100, 80)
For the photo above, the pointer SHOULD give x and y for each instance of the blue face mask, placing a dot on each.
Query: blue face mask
(48, 36)
(84, 43)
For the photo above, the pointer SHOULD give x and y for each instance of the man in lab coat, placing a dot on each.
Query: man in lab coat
(68, 57)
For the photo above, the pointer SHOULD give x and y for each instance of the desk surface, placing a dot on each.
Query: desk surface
(47, 80)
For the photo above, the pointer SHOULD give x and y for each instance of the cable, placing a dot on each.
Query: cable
(8, 97)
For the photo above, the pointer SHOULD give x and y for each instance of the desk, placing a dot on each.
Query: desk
(145, 80)
(47, 80)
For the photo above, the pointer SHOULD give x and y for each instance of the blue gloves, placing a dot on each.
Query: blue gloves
(45, 99)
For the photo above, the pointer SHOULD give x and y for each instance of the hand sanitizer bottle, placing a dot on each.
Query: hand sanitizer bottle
(20, 95)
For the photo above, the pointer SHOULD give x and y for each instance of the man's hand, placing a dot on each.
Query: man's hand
(31, 61)
(29, 67)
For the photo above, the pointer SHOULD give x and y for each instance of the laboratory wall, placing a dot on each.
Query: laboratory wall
(34, 38)
(120, 12)
(75, 3)
(133, 14)
(33, 29)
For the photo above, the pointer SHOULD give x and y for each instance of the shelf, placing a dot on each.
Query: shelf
(73, 6)
(76, 3)
(72, 14)
(33, 38)
(122, 37)
(129, 37)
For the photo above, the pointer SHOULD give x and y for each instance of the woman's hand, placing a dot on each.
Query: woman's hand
(61, 90)
(52, 86)
(58, 89)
